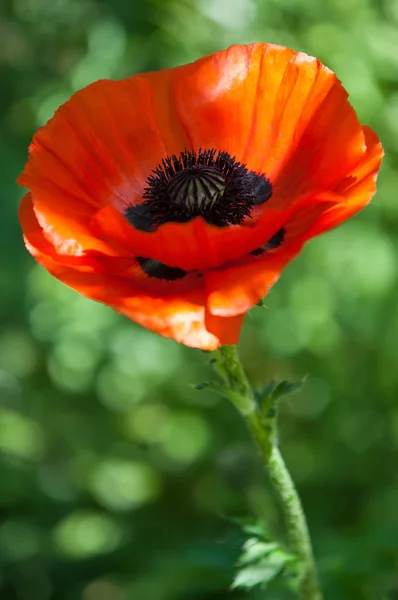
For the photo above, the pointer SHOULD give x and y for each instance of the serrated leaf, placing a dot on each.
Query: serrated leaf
(267, 398)
(254, 550)
(263, 560)
(284, 388)
(260, 573)
(265, 395)
(269, 388)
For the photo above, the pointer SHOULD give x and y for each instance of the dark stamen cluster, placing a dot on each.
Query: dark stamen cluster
(207, 183)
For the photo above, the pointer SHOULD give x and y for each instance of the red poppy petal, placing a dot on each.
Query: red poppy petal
(356, 190)
(131, 269)
(215, 97)
(174, 244)
(302, 220)
(101, 145)
(270, 106)
(332, 143)
(345, 198)
(35, 239)
(69, 231)
(193, 245)
(30, 226)
(180, 316)
(282, 112)
(235, 290)
(197, 245)
(291, 88)
(180, 319)
(226, 329)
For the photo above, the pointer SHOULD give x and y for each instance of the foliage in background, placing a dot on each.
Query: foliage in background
(118, 480)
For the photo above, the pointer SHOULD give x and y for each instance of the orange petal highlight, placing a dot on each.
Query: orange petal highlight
(235, 290)
(215, 97)
(356, 190)
(178, 316)
(102, 144)
(226, 329)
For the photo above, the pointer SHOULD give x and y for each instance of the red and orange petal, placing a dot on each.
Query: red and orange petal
(280, 112)
(182, 316)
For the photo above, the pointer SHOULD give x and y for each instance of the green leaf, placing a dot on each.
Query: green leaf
(263, 560)
(284, 388)
(267, 398)
(268, 389)
(254, 550)
(261, 572)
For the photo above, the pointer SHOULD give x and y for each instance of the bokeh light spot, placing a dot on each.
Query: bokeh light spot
(119, 391)
(106, 46)
(147, 355)
(149, 423)
(19, 436)
(124, 485)
(188, 437)
(231, 14)
(360, 260)
(84, 534)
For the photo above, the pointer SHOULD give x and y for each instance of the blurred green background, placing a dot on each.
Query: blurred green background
(119, 481)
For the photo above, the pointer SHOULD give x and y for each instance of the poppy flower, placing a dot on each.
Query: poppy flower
(178, 197)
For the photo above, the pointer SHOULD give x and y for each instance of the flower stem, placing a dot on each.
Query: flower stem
(263, 429)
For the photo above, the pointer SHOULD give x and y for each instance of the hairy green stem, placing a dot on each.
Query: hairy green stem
(262, 426)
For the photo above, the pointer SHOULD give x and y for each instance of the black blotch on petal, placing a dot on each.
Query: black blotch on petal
(158, 270)
(272, 243)
(276, 240)
(139, 217)
(257, 251)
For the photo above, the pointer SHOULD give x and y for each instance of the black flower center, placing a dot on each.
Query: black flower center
(196, 187)
(209, 184)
